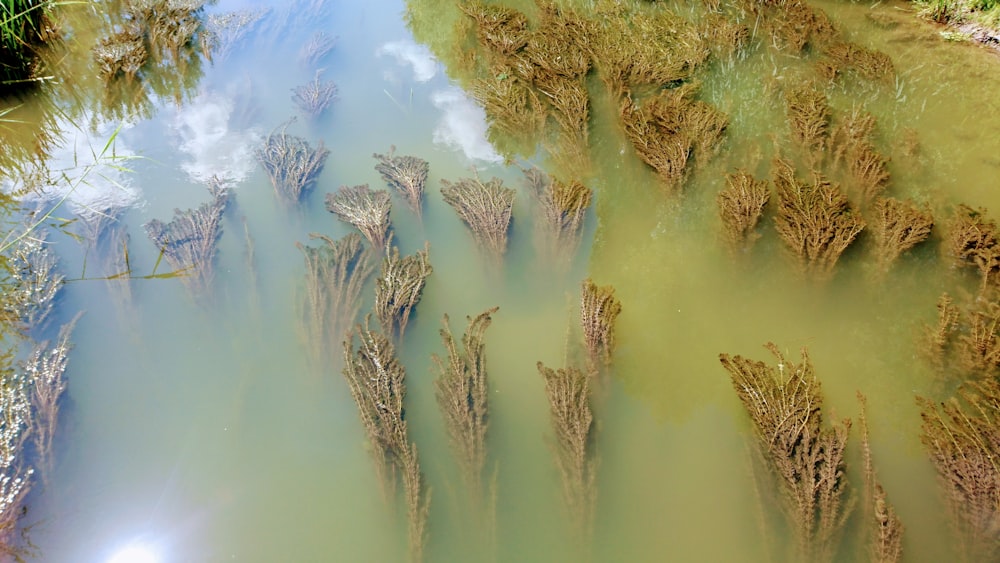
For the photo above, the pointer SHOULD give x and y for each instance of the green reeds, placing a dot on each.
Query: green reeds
(815, 221)
(336, 272)
(406, 175)
(23, 27)
(398, 289)
(568, 391)
(314, 97)
(897, 226)
(188, 242)
(377, 382)
(561, 209)
(962, 436)
(741, 205)
(599, 309)
(805, 457)
(366, 209)
(485, 207)
(291, 164)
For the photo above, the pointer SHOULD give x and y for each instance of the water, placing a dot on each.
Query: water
(203, 431)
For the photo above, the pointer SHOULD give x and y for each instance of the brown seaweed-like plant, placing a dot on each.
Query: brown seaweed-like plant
(809, 119)
(485, 208)
(873, 65)
(502, 30)
(336, 272)
(462, 391)
(291, 164)
(398, 289)
(806, 458)
(741, 205)
(562, 207)
(15, 474)
(794, 25)
(45, 368)
(377, 382)
(868, 169)
(314, 97)
(972, 239)
(815, 220)
(124, 53)
(366, 209)
(897, 227)
(189, 241)
(224, 31)
(407, 175)
(598, 311)
(938, 339)
(962, 436)
(568, 391)
(34, 281)
(884, 526)
(319, 45)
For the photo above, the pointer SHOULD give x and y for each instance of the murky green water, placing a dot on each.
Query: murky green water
(204, 432)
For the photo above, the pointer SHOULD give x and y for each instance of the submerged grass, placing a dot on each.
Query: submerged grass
(366, 209)
(484, 207)
(399, 288)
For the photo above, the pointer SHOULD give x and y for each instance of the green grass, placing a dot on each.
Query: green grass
(985, 13)
(20, 32)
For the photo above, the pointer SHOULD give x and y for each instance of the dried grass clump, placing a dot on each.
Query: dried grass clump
(668, 128)
(972, 239)
(462, 391)
(336, 272)
(741, 205)
(189, 241)
(805, 458)
(34, 283)
(291, 164)
(366, 209)
(815, 220)
(962, 436)
(884, 527)
(897, 227)
(873, 65)
(124, 53)
(568, 391)
(314, 97)
(485, 208)
(562, 207)
(319, 45)
(599, 310)
(407, 175)
(398, 289)
(808, 118)
(377, 382)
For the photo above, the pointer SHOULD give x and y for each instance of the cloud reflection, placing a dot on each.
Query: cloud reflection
(212, 147)
(419, 57)
(462, 125)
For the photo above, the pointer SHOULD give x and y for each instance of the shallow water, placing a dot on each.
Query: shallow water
(203, 431)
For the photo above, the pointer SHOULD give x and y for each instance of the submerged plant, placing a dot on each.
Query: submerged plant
(485, 208)
(562, 207)
(568, 391)
(398, 289)
(336, 272)
(319, 46)
(741, 205)
(291, 164)
(122, 53)
(884, 527)
(189, 241)
(815, 220)
(406, 175)
(366, 209)
(15, 473)
(868, 170)
(808, 118)
(462, 391)
(314, 97)
(224, 31)
(962, 436)
(377, 382)
(897, 227)
(35, 282)
(598, 311)
(972, 240)
(805, 458)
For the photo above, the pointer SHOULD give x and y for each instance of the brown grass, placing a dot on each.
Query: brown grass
(485, 208)
(806, 458)
(366, 209)
(406, 175)
(398, 289)
(741, 206)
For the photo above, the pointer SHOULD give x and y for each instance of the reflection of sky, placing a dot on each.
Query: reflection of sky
(463, 123)
(87, 180)
(210, 146)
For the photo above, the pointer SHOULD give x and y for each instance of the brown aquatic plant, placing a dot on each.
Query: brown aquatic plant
(485, 207)
(16, 477)
(224, 31)
(34, 282)
(45, 368)
(853, 147)
(556, 47)
(502, 30)
(795, 26)
(938, 339)
(514, 111)
(378, 384)
(189, 241)
(462, 391)
(882, 522)
(291, 164)
(962, 436)
(105, 237)
(808, 119)
(897, 226)
(741, 205)
(972, 239)
(407, 175)
(123, 53)
(870, 64)
(336, 272)
(398, 289)
(568, 390)
(561, 209)
(316, 48)
(366, 209)
(815, 220)
(314, 97)
(805, 457)
(599, 309)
